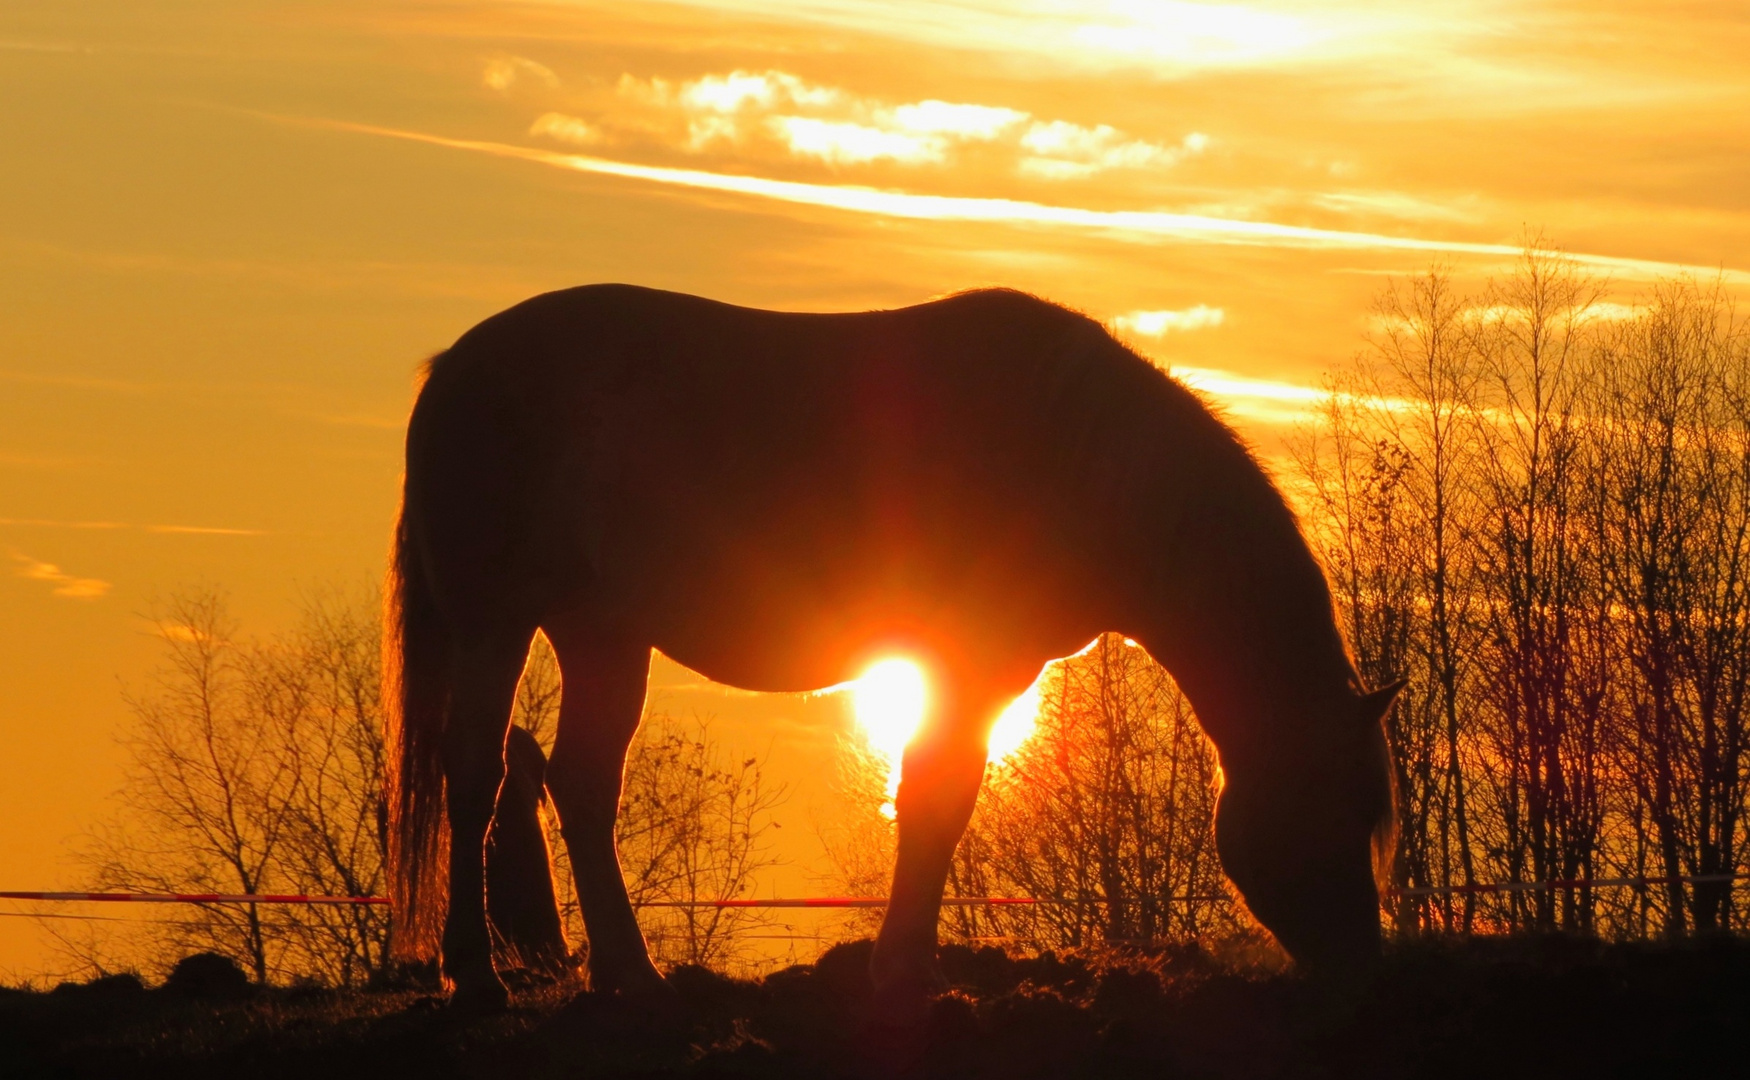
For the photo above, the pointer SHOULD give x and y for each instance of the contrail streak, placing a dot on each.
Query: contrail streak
(1128, 224)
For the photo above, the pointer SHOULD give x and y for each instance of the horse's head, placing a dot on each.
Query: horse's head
(1306, 836)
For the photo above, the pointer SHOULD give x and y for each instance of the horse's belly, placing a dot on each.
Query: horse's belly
(779, 633)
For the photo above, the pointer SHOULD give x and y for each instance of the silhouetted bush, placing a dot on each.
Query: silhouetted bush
(208, 975)
(123, 986)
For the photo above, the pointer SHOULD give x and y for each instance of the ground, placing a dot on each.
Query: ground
(1545, 1007)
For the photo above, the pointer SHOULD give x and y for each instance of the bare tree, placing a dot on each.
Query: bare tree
(859, 839)
(694, 827)
(1544, 503)
(1110, 805)
(323, 679)
(212, 786)
(1671, 393)
(1384, 465)
(1541, 585)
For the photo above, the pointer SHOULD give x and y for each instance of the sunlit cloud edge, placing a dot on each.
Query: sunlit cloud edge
(1132, 225)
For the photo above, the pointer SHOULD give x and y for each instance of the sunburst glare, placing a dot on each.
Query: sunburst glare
(1015, 725)
(890, 699)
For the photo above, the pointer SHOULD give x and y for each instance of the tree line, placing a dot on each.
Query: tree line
(1535, 503)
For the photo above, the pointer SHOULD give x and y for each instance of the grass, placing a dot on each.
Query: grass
(1546, 1007)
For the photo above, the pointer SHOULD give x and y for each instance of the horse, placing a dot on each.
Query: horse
(521, 906)
(983, 483)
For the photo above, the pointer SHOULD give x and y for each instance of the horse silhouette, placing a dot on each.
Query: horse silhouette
(983, 483)
(520, 903)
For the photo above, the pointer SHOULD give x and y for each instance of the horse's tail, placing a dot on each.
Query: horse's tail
(416, 692)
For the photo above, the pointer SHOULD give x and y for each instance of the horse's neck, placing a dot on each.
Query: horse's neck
(1242, 614)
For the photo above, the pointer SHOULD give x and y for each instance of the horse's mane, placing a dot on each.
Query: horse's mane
(1248, 478)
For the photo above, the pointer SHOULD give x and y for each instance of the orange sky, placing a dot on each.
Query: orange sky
(230, 230)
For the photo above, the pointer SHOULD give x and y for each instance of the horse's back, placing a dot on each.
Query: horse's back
(815, 474)
(607, 336)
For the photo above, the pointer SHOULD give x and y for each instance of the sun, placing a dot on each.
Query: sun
(891, 698)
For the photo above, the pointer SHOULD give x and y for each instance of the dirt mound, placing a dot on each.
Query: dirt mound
(1518, 1007)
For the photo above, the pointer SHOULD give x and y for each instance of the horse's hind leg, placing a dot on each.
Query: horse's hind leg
(485, 672)
(603, 700)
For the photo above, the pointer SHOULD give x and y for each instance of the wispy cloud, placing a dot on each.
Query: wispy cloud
(755, 111)
(44, 47)
(34, 378)
(1261, 401)
(503, 72)
(1158, 323)
(363, 420)
(567, 129)
(1450, 54)
(918, 133)
(1129, 225)
(1063, 151)
(1393, 204)
(201, 530)
(61, 583)
(191, 530)
(845, 143)
(1150, 33)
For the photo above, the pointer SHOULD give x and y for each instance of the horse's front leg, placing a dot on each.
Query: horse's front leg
(485, 678)
(602, 703)
(939, 784)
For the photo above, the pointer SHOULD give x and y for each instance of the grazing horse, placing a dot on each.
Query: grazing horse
(982, 483)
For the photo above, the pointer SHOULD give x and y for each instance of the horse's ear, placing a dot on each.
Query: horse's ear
(1373, 705)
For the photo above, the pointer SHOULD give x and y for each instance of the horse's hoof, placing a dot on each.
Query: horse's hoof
(906, 979)
(902, 1005)
(479, 997)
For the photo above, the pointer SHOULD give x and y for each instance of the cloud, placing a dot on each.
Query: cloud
(64, 584)
(1153, 34)
(962, 121)
(751, 111)
(567, 129)
(1265, 401)
(922, 132)
(503, 72)
(730, 93)
(1609, 311)
(1143, 226)
(201, 530)
(1189, 33)
(1060, 150)
(1604, 311)
(1392, 204)
(360, 420)
(189, 530)
(717, 108)
(1157, 323)
(842, 143)
(34, 378)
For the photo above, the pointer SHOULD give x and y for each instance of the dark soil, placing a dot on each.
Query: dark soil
(1546, 1007)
